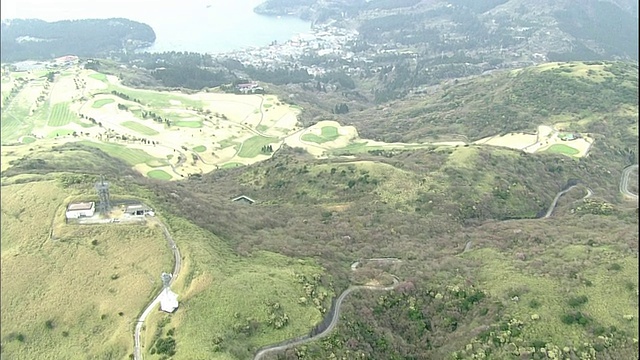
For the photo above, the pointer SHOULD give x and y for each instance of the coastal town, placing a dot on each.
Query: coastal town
(321, 41)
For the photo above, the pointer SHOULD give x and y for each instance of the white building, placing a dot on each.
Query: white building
(82, 209)
(138, 210)
(168, 300)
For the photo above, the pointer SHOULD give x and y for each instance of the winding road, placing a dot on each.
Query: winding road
(624, 182)
(281, 346)
(284, 345)
(555, 201)
(137, 349)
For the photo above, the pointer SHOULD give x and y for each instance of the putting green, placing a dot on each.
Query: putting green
(159, 175)
(200, 148)
(101, 102)
(327, 133)
(562, 149)
(28, 139)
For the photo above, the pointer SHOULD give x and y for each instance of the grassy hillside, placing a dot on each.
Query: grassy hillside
(482, 275)
(54, 298)
(592, 97)
(67, 287)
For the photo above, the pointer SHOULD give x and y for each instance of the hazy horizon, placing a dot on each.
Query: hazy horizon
(189, 25)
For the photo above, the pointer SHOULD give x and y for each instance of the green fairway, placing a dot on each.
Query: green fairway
(188, 124)
(328, 133)
(231, 165)
(28, 139)
(61, 115)
(101, 102)
(227, 143)
(157, 163)
(14, 125)
(159, 175)
(99, 76)
(137, 127)
(562, 149)
(200, 148)
(253, 146)
(61, 132)
(131, 156)
(155, 98)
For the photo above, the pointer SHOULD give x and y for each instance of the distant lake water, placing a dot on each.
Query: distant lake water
(211, 26)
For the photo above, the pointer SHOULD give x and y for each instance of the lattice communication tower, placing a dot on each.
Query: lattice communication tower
(103, 193)
(166, 279)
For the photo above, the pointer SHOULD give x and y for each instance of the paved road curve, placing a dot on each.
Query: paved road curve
(137, 350)
(624, 182)
(334, 319)
(555, 201)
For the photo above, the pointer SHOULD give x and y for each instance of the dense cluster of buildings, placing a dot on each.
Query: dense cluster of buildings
(322, 41)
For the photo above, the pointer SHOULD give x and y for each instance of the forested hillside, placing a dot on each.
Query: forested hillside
(33, 39)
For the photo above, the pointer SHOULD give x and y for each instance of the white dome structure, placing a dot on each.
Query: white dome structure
(168, 300)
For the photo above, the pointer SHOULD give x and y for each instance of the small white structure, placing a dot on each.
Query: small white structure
(244, 199)
(138, 210)
(168, 300)
(81, 209)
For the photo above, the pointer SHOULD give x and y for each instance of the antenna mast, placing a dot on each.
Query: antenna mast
(103, 193)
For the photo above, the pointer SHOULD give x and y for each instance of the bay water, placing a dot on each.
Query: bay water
(204, 26)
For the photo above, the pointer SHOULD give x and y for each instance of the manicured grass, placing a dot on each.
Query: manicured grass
(28, 139)
(14, 123)
(262, 128)
(61, 132)
(155, 98)
(61, 115)
(159, 175)
(188, 124)
(200, 148)
(227, 143)
(101, 102)
(137, 127)
(253, 146)
(131, 156)
(116, 271)
(231, 165)
(99, 76)
(328, 133)
(267, 105)
(562, 149)
(157, 163)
